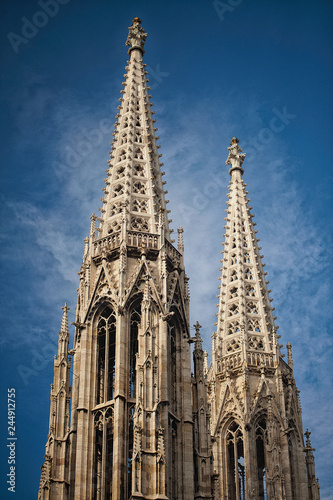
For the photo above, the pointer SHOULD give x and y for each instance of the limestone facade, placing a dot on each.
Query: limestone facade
(137, 424)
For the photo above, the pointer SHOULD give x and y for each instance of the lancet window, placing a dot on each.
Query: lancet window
(103, 453)
(233, 259)
(261, 438)
(233, 276)
(172, 338)
(247, 258)
(174, 460)
(131, 408)
(106, 355)
(133, 348)
(293, 461)
(248, 274)
(235, 458)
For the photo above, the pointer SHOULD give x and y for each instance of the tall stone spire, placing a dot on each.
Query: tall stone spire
(134, 196)
(131, 431)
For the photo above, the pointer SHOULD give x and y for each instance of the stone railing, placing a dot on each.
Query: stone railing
(143, 240)
(134, 239)
(172, 252)
(235, 360)
(255, 358)
(108, 243)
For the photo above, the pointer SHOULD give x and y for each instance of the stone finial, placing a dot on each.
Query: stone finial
(290, 357)
(136, 36)
(180, 231)
(308, 442)
(197, 327)
(205, 362)
(93, 219)
(235, 157)
(64, 321)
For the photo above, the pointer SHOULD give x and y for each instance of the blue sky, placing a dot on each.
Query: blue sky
(258, 70)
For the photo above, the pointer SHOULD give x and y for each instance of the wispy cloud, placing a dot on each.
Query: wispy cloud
(194, 150)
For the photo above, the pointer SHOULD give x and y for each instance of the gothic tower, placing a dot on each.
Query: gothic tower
(131, 432)
(136, 423)
(256, 419)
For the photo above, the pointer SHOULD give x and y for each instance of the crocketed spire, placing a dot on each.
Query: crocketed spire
(244, 304)
(134, 194)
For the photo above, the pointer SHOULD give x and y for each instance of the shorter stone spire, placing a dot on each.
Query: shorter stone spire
(136, 36)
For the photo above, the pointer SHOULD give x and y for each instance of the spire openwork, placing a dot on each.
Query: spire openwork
(244, 310)
(134, 196)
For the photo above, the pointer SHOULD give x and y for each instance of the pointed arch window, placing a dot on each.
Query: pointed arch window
(172, 335)
(106, 355)
(131, 408)
(292, 445)
(235, 460)
(261, 459)
(103, 454)
(133, 348)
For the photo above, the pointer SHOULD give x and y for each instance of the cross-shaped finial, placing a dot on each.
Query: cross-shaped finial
(65, 308)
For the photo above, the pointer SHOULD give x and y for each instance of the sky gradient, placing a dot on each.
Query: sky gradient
(257, 70)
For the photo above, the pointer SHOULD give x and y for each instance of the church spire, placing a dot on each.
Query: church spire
(244, 304)
(134, 196)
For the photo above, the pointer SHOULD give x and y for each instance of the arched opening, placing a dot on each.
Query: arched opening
(292, 451)
(130, 448)
(236, 466)
(135, 320)
(103, 454)
(106, 355)
(261, 463)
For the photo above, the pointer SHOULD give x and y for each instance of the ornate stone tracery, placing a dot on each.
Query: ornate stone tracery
(142, 426)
